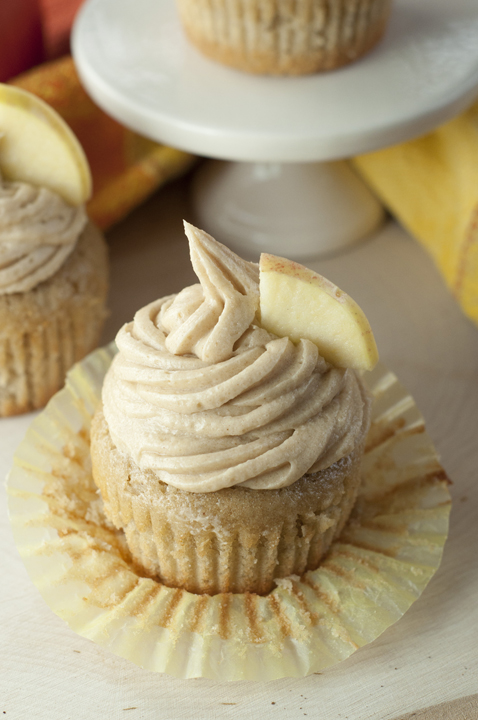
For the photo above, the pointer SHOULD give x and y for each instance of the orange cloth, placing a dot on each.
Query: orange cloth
(126, 167)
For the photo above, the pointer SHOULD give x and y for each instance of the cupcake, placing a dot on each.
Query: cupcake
(53, 285)
(278, 37)
(53, 261)
(387, 553)
(229, 456)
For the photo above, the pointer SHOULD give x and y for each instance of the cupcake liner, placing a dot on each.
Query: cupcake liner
(33, 364)
(387, 553)
(280, 37)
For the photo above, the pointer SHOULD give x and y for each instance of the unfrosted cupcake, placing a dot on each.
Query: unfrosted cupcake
(229, 456)
(281, 37)
(53, 286)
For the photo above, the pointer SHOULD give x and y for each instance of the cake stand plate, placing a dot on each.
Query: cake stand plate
(136, 63)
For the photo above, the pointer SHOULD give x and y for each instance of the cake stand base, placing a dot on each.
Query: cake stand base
(300, 210)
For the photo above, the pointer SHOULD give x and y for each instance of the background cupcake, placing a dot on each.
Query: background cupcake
(53, 261)
(281, 37)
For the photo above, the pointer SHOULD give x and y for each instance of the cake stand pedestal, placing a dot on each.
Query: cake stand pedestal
(284, 195)
(292, 209)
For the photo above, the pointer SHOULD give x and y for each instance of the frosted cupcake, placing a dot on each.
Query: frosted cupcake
(53, 285)
(282, 38)
(229, 456)
(53, 262)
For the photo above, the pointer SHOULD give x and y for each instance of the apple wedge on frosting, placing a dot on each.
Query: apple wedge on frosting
(38, 147)
(299, 303)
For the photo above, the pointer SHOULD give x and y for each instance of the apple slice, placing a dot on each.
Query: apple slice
(299, 303)
(38, 147)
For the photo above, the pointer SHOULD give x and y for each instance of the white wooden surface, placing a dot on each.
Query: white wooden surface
(47, 672)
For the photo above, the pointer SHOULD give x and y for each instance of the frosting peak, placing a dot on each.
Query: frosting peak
(38, 230)
(207, 399)
(207, 319)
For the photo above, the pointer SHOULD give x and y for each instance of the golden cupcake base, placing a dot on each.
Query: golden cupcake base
(388, 551)
(234, 540)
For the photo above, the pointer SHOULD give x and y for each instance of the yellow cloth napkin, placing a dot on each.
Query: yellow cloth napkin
(431, 186)
(126, 167)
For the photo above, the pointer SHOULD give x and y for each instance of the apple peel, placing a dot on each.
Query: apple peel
(299, 303)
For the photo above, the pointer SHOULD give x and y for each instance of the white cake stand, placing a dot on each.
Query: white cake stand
(283, 196)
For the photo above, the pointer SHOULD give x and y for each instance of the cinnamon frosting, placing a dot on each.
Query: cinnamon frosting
(207, 399)
(38, 230)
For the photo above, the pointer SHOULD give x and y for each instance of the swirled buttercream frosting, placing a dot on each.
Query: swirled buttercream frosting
(38, 230)
(207, 399)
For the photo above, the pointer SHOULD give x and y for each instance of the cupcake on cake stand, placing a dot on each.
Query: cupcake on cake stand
(284, 186)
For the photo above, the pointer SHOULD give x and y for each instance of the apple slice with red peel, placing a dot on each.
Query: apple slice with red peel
(299, 303)
(38, 147)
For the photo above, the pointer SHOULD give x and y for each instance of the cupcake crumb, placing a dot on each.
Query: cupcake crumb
(286, 583)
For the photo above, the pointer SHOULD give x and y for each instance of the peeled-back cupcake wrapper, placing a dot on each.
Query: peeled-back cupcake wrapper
(390, 548)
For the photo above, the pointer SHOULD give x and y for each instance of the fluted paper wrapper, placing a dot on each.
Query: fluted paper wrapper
(390, 548)
(285, 38)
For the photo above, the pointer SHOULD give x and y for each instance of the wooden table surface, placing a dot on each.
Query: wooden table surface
(427, 659)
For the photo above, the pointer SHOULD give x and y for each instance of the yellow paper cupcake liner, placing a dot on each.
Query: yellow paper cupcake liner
(390, 548)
